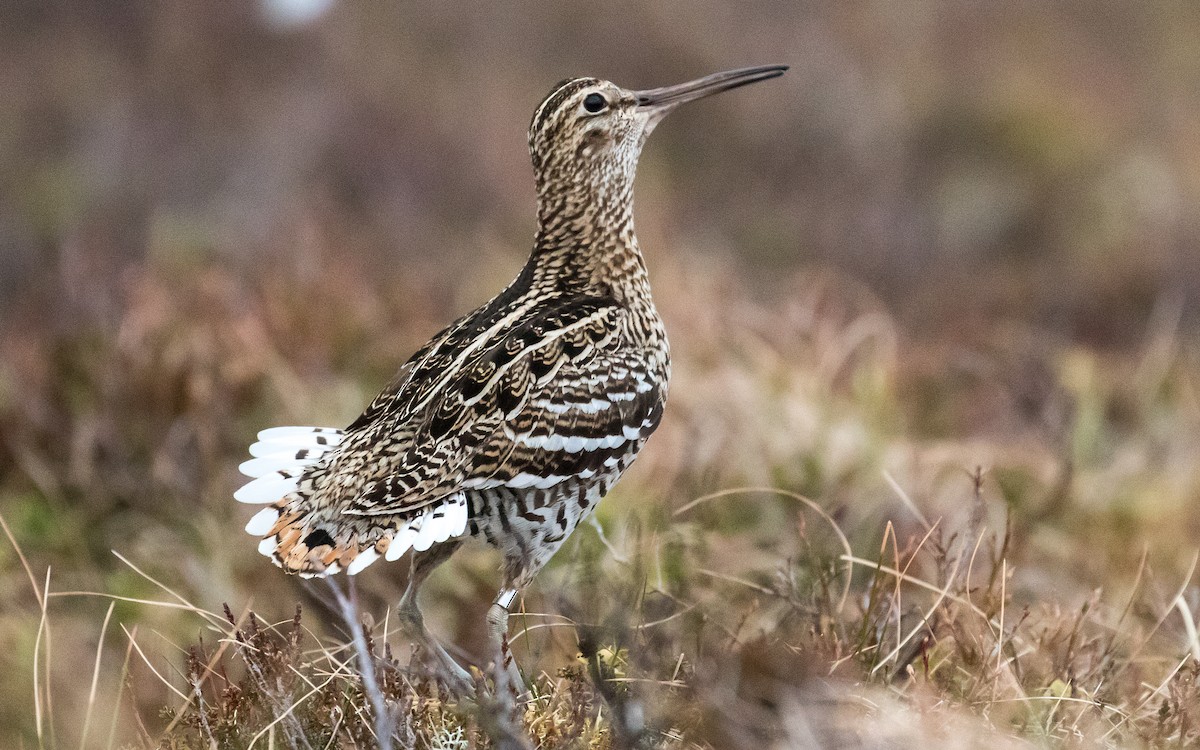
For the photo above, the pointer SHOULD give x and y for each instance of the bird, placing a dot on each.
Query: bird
(512, 423)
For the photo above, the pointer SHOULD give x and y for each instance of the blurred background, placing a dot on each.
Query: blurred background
(1028, 160)
(955, 233)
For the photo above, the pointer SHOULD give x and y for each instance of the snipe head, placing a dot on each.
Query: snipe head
(587, 134)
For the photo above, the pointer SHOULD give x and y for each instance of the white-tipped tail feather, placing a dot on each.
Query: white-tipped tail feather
(365, 558)
(312, 433)
(266, 489)
(293, 445)
(401, 543)
(281, 456)
(257, 467)
(303, 442)
(438, 523)
(263, 522)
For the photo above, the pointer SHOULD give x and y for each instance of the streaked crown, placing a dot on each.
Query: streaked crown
(592, 127)
(587, 124)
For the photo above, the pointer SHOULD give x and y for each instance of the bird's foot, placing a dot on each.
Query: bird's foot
(447, 671)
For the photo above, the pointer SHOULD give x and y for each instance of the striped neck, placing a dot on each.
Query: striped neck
(585, 233)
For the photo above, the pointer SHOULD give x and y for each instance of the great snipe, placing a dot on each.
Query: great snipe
(513, 422)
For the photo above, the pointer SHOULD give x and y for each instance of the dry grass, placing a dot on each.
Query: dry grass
(209, 225)
(878, 589)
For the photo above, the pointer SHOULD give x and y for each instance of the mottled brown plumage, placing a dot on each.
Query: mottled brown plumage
(514, 421)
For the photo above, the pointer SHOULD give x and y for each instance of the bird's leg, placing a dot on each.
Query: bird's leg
(410, 614)
(508, 677)
(458, 678)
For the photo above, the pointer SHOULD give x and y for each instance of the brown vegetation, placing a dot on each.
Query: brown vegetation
(928, 475)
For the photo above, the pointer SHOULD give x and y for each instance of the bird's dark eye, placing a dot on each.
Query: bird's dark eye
(594, 103)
